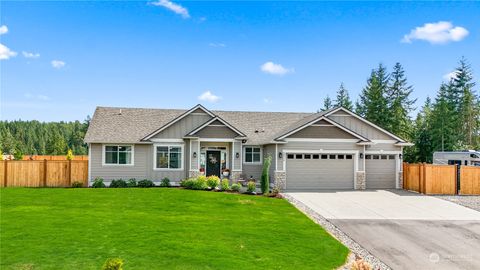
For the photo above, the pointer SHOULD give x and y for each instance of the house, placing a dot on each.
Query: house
(333, 149)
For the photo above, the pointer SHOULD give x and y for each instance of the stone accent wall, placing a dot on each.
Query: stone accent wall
(400, 180)
(280, 178)
(235, 175)
(361, 181)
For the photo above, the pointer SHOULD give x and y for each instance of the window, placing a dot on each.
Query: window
(315, 156)
(341, 157)
(307, 156)
(290, 156)
(349, 156)
(383, 157)
(298, 156)
(376, 157)
(168, 157)
(391, 157)
(118, 155)
(332, 157)
(368, 156)
(324, 156)
(253, 155)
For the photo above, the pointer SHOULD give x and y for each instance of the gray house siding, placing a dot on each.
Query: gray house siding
(359, 126)
(183, 126)
(216, 132)
(384, 147)
(109, 172)
(327, 132)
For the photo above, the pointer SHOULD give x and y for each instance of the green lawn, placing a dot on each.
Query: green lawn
(158, 229)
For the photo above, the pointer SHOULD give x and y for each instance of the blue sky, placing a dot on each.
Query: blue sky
(66, 58)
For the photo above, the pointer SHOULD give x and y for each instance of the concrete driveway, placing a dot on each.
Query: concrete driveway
(403, 229)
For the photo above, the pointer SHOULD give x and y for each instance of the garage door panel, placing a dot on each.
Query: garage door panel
(380, 173)
(320, 173)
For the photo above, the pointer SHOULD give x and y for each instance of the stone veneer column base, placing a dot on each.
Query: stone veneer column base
(360, 181)
(280, 178)
(235, 175)
(400, 180)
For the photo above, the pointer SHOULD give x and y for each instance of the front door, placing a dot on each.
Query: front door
(213, 163)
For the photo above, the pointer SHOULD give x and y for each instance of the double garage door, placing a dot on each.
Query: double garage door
(309, 171)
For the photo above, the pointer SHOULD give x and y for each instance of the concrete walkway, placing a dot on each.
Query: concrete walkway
(403, 229)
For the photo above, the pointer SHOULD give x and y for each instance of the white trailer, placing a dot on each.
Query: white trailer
(467, 158)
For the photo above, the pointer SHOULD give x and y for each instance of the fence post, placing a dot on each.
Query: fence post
(44, 173)
(423, 178)
(458, 169)
(69, 172)
(5, 177)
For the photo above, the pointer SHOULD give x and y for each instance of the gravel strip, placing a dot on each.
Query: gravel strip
(356, 249)
(472, 202)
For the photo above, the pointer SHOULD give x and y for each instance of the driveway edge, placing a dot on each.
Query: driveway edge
(354, 247)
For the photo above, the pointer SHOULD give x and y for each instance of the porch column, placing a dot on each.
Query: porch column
(237, 157)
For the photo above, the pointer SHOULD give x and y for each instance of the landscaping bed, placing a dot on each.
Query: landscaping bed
(158, 228)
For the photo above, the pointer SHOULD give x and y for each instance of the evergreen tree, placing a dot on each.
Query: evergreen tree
(343, 99)
(327, 104)
(400, 103)
(422, 151)
(443, 121)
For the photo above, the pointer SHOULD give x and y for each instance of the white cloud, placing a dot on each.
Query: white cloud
(267, 100)
(173, 7)
(30, 54)
(217, 45)
(208, 96)
(275, 69)
(6, 53)
(436, 33)
(3, 29)
(39, 97)
(450, 76)
(58, 64)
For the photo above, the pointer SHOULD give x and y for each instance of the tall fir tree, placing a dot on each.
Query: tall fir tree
(444, 121)
(327, 104)
(400, 103)
(421, 137)
(343, 98)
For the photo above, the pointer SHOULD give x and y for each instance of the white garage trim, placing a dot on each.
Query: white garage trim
(397, 162)
(321, 151)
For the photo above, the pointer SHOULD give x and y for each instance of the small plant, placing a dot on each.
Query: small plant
(98, 183)
(131, 182)
(188, 183)
(113, 264)
(120, 183)
(225, 184)
(265, 180)
(77, 184)
(251, 187)
(69, 154)
(200, 183)
(165, 182)
(360, 265)
(213, 181)
(145, 183)
(236, 187)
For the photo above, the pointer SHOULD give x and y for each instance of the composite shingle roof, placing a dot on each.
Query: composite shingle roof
(130, 125)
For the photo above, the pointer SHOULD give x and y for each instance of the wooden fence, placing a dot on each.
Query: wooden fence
(441, 179)
(36, 173)
(43, 157)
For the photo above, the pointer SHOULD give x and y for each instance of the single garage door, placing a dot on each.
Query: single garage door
(380, 171)
(319, 171)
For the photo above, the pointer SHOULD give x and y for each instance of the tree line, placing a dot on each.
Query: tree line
(21, 138)
(451, 121)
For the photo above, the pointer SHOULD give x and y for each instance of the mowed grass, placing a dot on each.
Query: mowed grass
(158, 228)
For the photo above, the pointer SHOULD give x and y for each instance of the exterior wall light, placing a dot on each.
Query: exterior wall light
(400, 156)
(194, 154)
(237, 155)
(361, 155)
(280, 155)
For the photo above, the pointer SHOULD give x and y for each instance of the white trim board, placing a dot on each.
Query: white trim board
(321, 140)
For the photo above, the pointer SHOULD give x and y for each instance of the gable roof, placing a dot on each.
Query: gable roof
(365, 121)
(173, 121)
(218, 119)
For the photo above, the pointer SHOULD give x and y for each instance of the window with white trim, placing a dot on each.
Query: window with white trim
(168, 157)
(253, 154)
(118, 155)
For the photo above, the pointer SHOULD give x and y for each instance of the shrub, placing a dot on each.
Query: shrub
(187, 183)
(120, 183)
(200, 183)
(113, 264)
(145, 183)
(77, 184)
(131, 182)
(251, 187)
(165, 182)
(98, 183)
(213, 181)
(225, 184)
(360, 265)
(265, 181)
(236, 187)
(69, 154)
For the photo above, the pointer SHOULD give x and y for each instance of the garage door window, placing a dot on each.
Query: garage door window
(391, 157)
(349, 156)
(332, 156)
(307, 156)
(290, 156)
(368, 157)
(376, 157)
(298, 156)
(341, 157)
(324, 156)
(316, 156)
